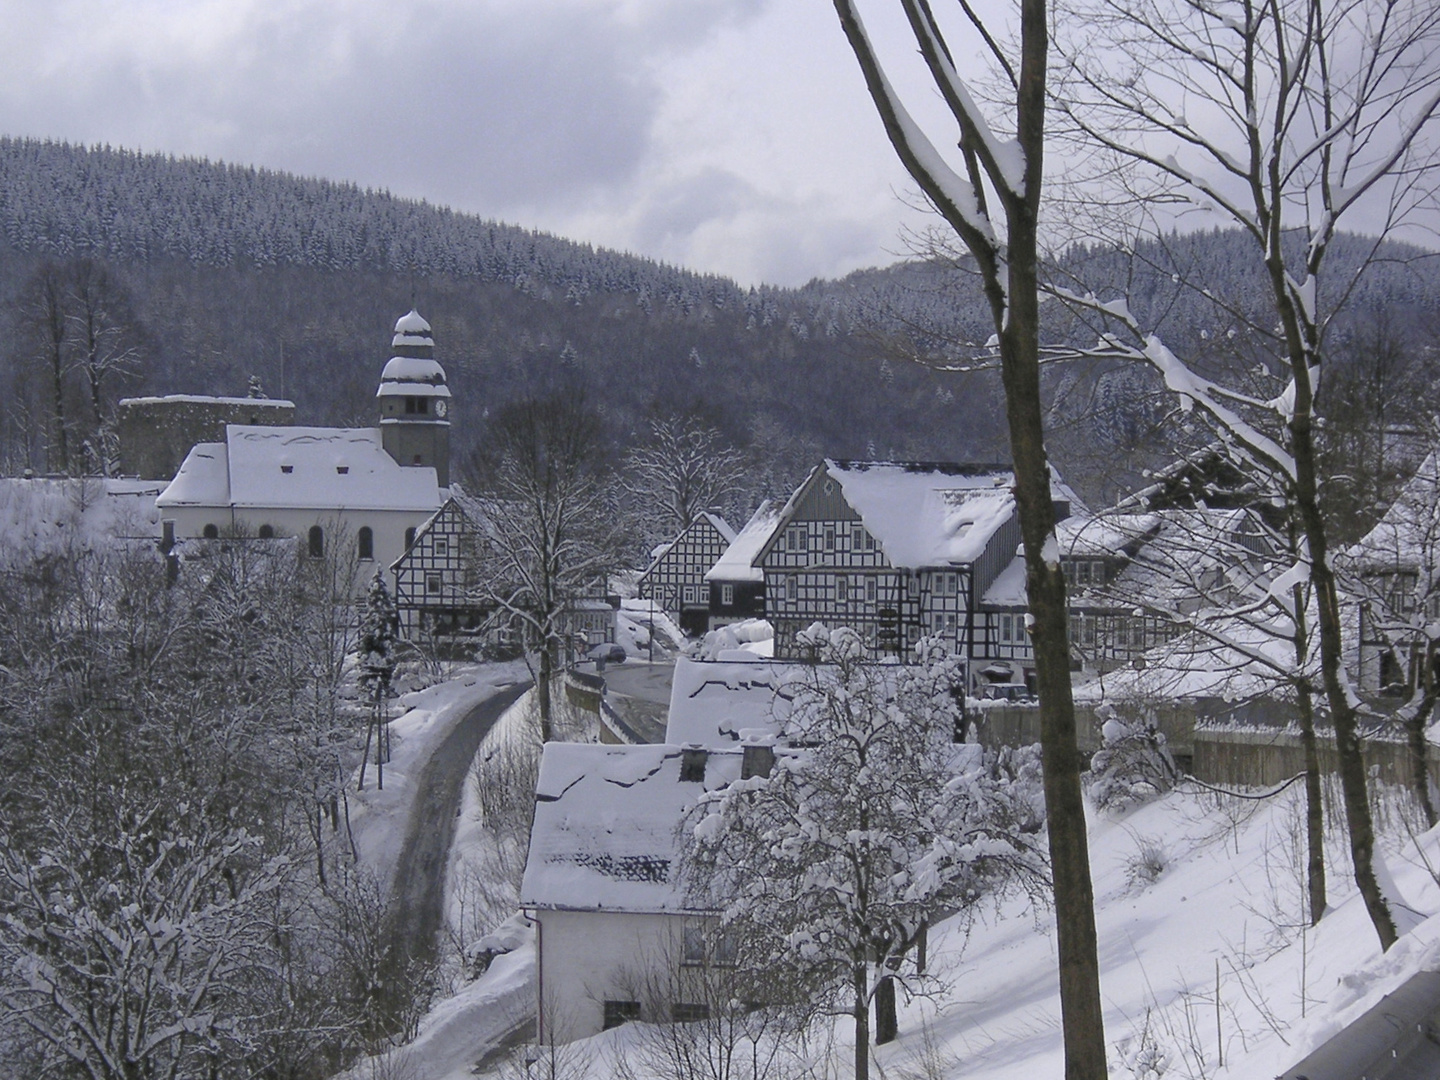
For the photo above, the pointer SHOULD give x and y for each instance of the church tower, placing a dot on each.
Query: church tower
(414, 400)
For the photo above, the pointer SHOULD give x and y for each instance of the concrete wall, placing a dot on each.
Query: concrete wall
(156, 433)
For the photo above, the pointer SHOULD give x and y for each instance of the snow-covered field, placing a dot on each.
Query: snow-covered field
(1209, 969)
(1197, 895)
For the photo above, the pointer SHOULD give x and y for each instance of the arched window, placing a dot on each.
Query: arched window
(211, 532)
(267, 532)
(366, 542)
(317, 542)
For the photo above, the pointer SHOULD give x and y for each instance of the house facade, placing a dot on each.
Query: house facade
(616, 936)
(896, 550)
(435, 576)
(675, 578)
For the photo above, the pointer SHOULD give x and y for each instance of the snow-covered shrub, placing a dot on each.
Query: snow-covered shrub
(1134, 764)
(1149, 861)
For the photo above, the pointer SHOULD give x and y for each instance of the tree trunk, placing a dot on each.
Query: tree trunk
(1314, 806)
(887, 1025)
(542, 690)
(1416, 743)
(859, 974)
(1081, 1019)
(1342, 713)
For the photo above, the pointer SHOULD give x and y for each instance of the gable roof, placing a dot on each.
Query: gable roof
(717, 702)
(715, 521)
(1407, 537)
(606, 835)
(738, 561)
(300, 468)
(926, 513)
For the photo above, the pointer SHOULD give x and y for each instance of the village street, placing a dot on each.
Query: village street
(419, 891)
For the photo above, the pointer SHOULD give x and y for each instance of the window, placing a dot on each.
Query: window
(1097, 573)
(727, 948)
(689, 594)
(442, 546)
(692, 765)
(267, 532)
(317, 542)
(432, 584)
(857, 539)
(1007, 623)
(829, 537)
(693, 952)
(727, 595)
(342, 469)
(620, 1012)
(870, 590)
(287, 469)
(842, 589)
(211, 532)
(688, 1013)
(792, 588)
(365, 543)
(409, 538)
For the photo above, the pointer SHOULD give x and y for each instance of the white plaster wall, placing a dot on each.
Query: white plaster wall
(341, 527)
(587, 957)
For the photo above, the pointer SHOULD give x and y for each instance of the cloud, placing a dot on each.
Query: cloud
(714, 133)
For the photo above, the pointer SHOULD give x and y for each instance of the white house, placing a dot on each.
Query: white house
(615, 936)
(330, 486)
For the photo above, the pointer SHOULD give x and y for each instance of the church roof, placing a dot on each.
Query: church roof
(412, 371)
(300, 468)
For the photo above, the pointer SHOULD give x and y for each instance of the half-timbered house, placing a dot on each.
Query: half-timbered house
(675, 578)
(435, 577)
(897, 550)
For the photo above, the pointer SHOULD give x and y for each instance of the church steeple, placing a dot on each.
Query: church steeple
(414, 400)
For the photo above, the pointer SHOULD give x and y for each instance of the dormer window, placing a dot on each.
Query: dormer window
(342, 469)
(287, 469)
(757, 760)
(692, 764)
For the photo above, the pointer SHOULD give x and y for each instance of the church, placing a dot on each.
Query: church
(344, 491)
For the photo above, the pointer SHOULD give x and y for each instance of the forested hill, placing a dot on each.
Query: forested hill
(238, 272)
(235, 272)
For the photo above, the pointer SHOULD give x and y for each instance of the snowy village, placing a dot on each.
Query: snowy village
(923, 566)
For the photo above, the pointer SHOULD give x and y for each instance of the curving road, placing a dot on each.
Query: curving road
(419, 900)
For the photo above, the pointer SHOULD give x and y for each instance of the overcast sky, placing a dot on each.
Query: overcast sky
(732, 136)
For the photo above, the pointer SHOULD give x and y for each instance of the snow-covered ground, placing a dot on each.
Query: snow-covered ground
(1196, 895)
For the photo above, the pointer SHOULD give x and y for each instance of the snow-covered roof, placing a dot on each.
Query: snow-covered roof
(1008, 588)
(719, 524)
(46, 518)
(717, 703)
(1104, 535)
(301, 468)
(206, 399)
(415, 376)
(412, 329)
(605, 835)
(1407, 537)
(927, 514)
(737, 564)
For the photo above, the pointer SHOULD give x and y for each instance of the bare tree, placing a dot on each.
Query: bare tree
(551, 529)
(1283, 120)
(103, 323)
(43, 313)
(684, 468)
(992, 202)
